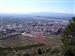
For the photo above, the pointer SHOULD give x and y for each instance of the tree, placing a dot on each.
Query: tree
(68, 39)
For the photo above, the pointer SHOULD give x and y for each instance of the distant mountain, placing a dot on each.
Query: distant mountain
(43, 15)
(52, 14)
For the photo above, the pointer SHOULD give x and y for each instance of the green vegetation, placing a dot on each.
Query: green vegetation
(21, 47)
(30, 50)
(68, 39)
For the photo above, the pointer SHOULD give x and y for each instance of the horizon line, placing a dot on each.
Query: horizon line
(32, 12)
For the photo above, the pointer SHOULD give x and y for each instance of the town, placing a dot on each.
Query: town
(44, 26)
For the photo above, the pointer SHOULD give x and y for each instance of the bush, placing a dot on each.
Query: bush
(68, 39)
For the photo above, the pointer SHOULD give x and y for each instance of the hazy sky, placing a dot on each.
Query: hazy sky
(30, 6)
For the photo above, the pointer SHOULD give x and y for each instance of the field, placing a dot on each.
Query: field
(23, 46)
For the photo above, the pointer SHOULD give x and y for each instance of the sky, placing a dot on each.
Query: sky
(32, 6)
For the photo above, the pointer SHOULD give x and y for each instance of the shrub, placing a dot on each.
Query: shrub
(68, 39)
